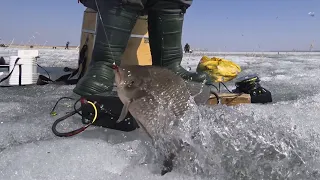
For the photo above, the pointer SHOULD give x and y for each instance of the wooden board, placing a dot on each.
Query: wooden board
(88, 33)
(230, 99)
(138, 49)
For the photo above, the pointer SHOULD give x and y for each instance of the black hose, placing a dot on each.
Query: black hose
(75, 108)
(44, 70)
(210, 84)
(67, 134)
(226, 87)
(54, 107)
(217, 96)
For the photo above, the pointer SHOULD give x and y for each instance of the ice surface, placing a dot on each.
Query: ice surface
(279, 140)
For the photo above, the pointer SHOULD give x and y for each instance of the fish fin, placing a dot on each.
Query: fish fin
(199, 91)
(145, 130)
(124, 111)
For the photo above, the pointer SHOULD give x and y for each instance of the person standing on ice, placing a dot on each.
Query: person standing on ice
(165, 21)
(187, 48)
(67, 45)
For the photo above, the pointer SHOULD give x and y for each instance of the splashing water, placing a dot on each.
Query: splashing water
(223, 143)
(235, 146)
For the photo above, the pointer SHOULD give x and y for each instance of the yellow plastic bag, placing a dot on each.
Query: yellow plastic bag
(220, 70)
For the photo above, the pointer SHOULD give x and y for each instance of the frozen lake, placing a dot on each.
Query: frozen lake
(279, 140)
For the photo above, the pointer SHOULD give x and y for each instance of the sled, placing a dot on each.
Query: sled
(230, 99)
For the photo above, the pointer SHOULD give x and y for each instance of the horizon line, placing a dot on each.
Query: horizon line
(196, 49)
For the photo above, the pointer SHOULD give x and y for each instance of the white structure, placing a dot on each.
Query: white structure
(24, 68)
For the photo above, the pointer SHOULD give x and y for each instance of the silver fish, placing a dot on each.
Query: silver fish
(145, 89)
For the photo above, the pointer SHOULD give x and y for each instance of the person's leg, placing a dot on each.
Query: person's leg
(165, 21)
(118, 22)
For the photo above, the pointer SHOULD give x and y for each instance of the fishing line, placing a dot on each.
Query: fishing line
(105, 32)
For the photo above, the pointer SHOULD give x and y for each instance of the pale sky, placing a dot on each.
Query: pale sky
(217, 25)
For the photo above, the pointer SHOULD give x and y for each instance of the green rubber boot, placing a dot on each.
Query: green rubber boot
(165, 31)
(118, 23)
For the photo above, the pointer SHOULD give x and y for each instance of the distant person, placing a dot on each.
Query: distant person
(67, 45)
(187, 48)
(165, 20)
